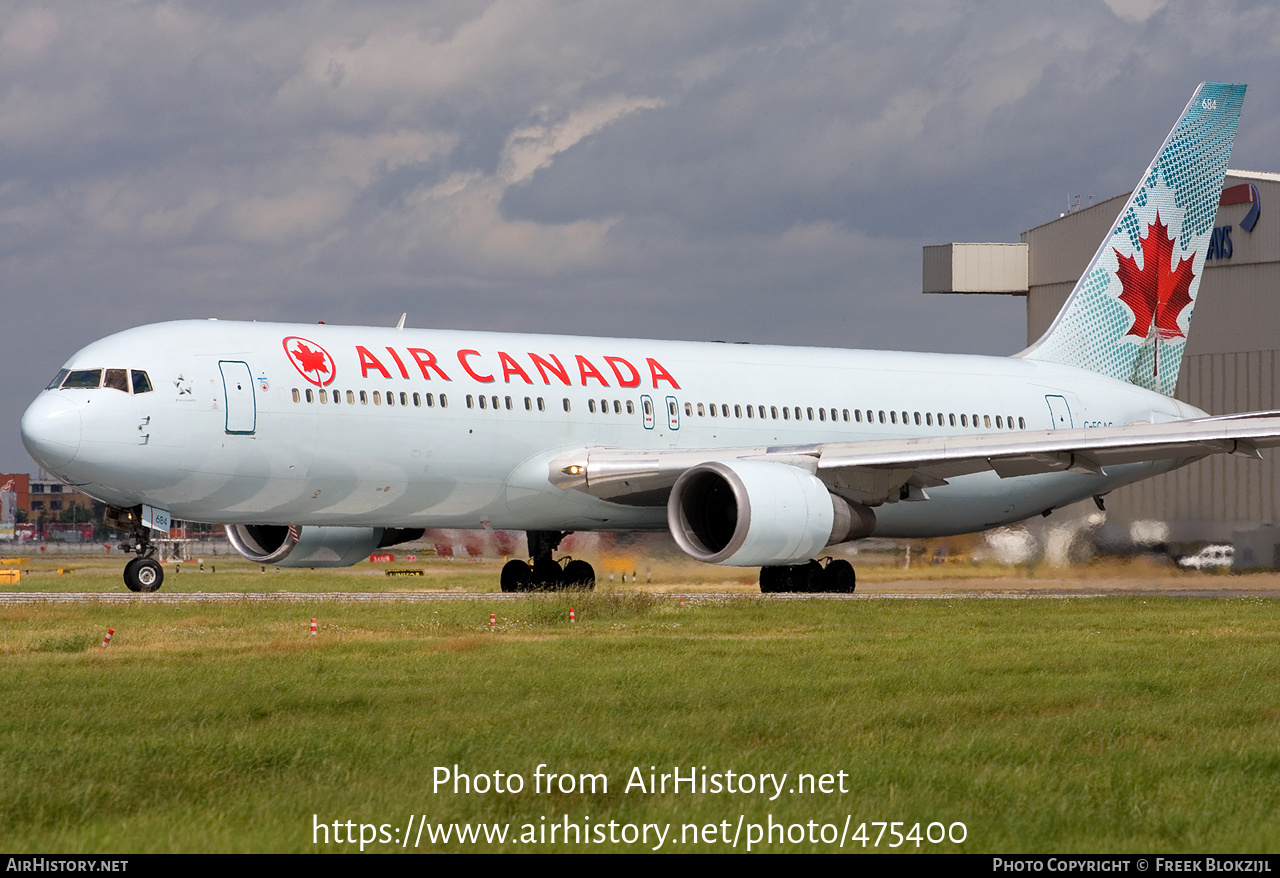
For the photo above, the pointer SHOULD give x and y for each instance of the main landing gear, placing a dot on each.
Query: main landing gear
(543, 573)
(836, 578)
(144, 572)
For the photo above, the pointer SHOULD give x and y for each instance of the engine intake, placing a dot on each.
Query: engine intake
(750, 513)
(290, 546)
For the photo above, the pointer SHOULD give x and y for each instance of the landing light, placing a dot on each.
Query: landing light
(574, 470)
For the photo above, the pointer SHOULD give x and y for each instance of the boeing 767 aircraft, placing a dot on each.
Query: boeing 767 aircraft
(317, 444)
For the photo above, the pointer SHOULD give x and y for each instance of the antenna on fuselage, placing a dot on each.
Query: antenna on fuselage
(400, 325)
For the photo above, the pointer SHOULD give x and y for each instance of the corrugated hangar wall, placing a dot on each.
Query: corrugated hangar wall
(1231, 363)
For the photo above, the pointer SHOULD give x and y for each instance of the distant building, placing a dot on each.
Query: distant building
(42, 495)
(1232, 361)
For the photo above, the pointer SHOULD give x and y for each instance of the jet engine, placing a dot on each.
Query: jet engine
(289, 546)
(748, 513)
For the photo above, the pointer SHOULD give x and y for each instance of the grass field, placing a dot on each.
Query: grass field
(1116, 724)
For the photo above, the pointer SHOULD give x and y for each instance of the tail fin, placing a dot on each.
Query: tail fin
(1129, 315)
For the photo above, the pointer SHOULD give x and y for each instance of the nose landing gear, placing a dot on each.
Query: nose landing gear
(143, 573)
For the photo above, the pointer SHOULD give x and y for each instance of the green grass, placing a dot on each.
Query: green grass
(1116, 725)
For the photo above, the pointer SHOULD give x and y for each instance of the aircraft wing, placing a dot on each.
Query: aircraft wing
(874, 471)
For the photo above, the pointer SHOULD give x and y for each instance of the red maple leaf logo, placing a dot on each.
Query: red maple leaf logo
(1155, 294)
(309, 360)
(305, 359)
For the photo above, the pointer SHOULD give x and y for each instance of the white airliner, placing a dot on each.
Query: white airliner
(316, 444)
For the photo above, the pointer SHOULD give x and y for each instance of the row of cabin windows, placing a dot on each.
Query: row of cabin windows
(507, 402)
(417, 400)
(785, 413)
(363, 397)
(618, 406)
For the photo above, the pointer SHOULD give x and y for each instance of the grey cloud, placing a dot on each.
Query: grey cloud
(761, 171)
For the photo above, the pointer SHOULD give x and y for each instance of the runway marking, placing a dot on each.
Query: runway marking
(26, 598)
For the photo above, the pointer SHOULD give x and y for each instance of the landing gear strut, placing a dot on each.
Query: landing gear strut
(144, 572)
(543, 573)
(837, 578)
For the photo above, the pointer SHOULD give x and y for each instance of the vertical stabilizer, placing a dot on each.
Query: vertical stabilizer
(1129, 315)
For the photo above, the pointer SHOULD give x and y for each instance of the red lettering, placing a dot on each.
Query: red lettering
(427, 360)
(462, 358)
(633, 381)
(558, 369)
(404, 373)
(586, 370)
(660, 374)
(511, 367)
(369, 361)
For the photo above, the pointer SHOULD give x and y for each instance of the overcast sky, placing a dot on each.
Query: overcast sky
(758, 171)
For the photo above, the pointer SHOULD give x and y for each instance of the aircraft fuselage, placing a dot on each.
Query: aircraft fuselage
(310, 424)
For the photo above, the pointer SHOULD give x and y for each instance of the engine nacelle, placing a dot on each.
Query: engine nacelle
(287, 546)
(752, 513)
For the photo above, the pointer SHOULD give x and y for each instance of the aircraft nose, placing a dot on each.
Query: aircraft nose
(51, 430)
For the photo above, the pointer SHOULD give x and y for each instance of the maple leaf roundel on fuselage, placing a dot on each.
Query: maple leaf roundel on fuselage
(312, 361)
(1156, 294)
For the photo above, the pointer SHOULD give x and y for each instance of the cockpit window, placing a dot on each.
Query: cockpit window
(141, 383)
(83, 378)
(116, 379)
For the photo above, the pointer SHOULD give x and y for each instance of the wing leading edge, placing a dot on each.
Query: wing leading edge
(877, 471)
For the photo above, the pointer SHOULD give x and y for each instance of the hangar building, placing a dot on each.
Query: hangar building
(1232, 360)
